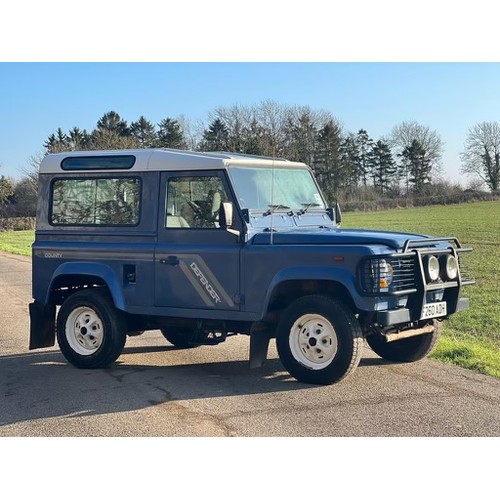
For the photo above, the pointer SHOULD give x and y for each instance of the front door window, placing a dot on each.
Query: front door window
(194, 202)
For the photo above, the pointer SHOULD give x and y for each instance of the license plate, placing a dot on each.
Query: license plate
(434, 310)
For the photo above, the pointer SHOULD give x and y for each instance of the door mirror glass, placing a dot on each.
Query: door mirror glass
(226, 215)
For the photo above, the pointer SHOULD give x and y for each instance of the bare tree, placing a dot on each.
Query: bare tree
(481, 154)
(272, 117)
(403, 136)
(193, 131)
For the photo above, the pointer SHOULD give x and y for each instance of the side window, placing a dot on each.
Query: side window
(96, 202)
(194, 202)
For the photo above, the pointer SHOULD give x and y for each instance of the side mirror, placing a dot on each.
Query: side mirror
(226, 215)
(226, 218)
(335, 213)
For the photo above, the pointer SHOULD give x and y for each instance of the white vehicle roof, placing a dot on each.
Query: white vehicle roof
(164, 159)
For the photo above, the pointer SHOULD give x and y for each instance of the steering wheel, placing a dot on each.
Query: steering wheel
(196, 209)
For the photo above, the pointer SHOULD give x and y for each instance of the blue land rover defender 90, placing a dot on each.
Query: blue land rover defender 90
(203, 246)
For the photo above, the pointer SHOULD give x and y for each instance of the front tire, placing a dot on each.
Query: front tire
(406, 350)
(319, 340)
(180, 337)
(91, 332)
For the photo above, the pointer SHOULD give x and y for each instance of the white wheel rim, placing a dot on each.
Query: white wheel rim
(313, 341)
(84, 331)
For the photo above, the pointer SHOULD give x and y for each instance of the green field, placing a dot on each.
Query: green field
(471, 338)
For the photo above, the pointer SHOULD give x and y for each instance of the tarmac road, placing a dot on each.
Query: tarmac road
(157, 390)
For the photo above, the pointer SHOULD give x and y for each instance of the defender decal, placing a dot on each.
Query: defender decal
(208, 287)
(204, 282)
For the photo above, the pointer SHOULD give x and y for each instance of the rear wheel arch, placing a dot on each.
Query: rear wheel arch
(72, 277)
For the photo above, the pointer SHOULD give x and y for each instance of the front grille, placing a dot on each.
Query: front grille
(404, 273)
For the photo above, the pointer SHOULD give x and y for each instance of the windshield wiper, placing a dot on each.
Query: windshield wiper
(307, 206)
(272, 208)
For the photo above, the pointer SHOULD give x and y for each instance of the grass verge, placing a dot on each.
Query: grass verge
(469, 352)
(18, 242)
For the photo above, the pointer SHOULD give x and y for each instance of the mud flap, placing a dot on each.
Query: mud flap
(260, 335)
(258, 350)
(42, 325)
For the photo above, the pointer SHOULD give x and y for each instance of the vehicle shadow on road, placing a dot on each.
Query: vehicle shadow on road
(39, 385)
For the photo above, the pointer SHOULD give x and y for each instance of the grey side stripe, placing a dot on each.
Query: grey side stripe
(189, 275)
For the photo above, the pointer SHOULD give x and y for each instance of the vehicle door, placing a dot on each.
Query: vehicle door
(196, 261)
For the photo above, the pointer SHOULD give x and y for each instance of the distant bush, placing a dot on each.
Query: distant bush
(17, 223)
(466, 196)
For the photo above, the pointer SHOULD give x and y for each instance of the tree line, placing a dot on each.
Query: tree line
(343, 162)
(348, 165)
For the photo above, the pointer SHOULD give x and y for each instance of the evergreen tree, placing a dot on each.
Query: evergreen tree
(418, 165)
(78, 139)
(252, 139)
(216, 138)
(170, 135)
(57, 142)
(382, 166)
(111, 132)
(365, 145)
(113, 122)
(143, 131)
(351, 162)
(402, 139)
(327, 164)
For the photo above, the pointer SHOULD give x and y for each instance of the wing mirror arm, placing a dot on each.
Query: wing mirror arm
(338, 213)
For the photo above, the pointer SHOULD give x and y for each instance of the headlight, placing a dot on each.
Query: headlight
(432, 268)
(385, 274)
(451, 266)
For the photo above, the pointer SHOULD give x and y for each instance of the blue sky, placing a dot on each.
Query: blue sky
(371, 64)
(37, 98)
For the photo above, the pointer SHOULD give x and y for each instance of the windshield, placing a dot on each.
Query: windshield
(275, 188)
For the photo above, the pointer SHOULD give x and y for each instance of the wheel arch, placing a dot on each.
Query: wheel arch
(294, 283)
(72, 276)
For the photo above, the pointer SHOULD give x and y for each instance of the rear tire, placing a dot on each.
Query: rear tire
(406, 350)
(319, 340)
(91, 332)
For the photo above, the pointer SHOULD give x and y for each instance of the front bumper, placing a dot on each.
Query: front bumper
(404, 315)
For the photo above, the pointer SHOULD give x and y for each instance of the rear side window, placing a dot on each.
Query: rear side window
(96, 202)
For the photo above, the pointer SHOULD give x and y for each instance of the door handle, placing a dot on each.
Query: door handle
(171, 260)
